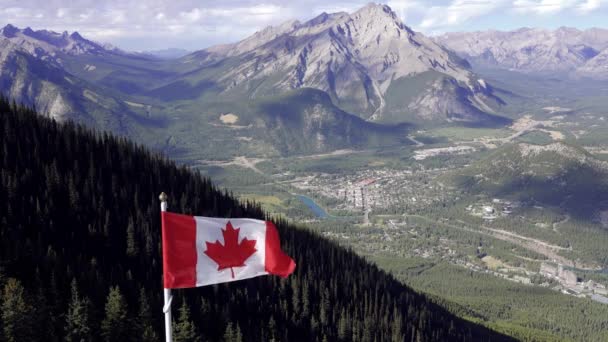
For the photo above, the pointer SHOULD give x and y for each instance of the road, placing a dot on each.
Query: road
(555, 224)
(534, 245)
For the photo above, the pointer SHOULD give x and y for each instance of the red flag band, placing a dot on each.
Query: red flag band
(200, 251)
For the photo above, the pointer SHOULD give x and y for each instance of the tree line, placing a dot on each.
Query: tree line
(80, 255)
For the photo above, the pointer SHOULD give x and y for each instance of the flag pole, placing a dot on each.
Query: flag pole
(167, 292)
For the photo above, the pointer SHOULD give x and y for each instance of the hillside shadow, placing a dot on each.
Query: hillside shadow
(579, 191)
(181, 90)
(152, 122)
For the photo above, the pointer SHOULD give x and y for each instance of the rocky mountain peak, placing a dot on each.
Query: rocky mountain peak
(374, 9)
(320, 19)
(9, 31)
(75, 36)
(353, 57)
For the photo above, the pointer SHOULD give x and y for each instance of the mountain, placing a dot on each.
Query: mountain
(559, 175)
(596, 67)
(307, 120)
(80, 255)
(530, 50)
(90, 87)
(33, 71)
(49, 45)
(53, 91)
(33, 81)
(356, 80)
(360, 60)
(169, 53)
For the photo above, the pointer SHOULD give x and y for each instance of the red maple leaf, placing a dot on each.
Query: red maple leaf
(232, 253)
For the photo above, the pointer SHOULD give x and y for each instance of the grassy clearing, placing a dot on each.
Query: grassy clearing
(264, 200)
(467, 133)
(492, 262)
(536, 138)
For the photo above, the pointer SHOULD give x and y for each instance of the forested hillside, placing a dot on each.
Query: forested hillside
(80, 255)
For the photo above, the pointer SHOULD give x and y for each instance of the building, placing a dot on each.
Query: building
(548, 270)
(568, 277)
(599, 298)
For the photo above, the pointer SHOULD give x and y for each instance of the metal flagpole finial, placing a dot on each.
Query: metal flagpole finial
(163, 197)
(163, 201)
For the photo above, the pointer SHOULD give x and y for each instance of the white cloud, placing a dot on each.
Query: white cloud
(136, 24)
(262, 13)
(116, 16)
(61, 12)
(589, 6)
(457, 13)
(191, 16)
(548, 7)
(403, 8)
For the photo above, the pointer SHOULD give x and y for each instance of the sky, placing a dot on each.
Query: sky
(196, 24)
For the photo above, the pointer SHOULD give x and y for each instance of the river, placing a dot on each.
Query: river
(310, 203)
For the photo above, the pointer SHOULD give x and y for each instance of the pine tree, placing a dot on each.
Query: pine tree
(272, 328)
(184, 330)
(115, 326)
(2, 277)
(229, 333)
(44, 322)
(343, 327)
(77, 318)
(132, 248)
(144, 319)
(238, 335)
(396, 328)
(16, 313)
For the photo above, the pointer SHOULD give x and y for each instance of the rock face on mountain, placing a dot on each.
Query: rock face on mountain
(311, 122)
(355, 58)
(596, 67)
(49, 45)
(29, 80)
(566, 50)
(32, 72)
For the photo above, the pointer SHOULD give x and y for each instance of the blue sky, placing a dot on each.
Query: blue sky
(196, 24)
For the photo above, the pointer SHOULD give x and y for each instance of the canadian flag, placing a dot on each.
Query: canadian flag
(200, 251)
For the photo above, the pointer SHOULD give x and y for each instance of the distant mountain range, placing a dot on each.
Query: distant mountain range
(48, 45)
(289, 88)
(169, 53)
(34, 69)
(372, 77)
(566, 50)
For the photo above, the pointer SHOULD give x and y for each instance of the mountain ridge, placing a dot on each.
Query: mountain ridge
(371, 66)
(557, 174)
(46, 44)
(533, 50)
